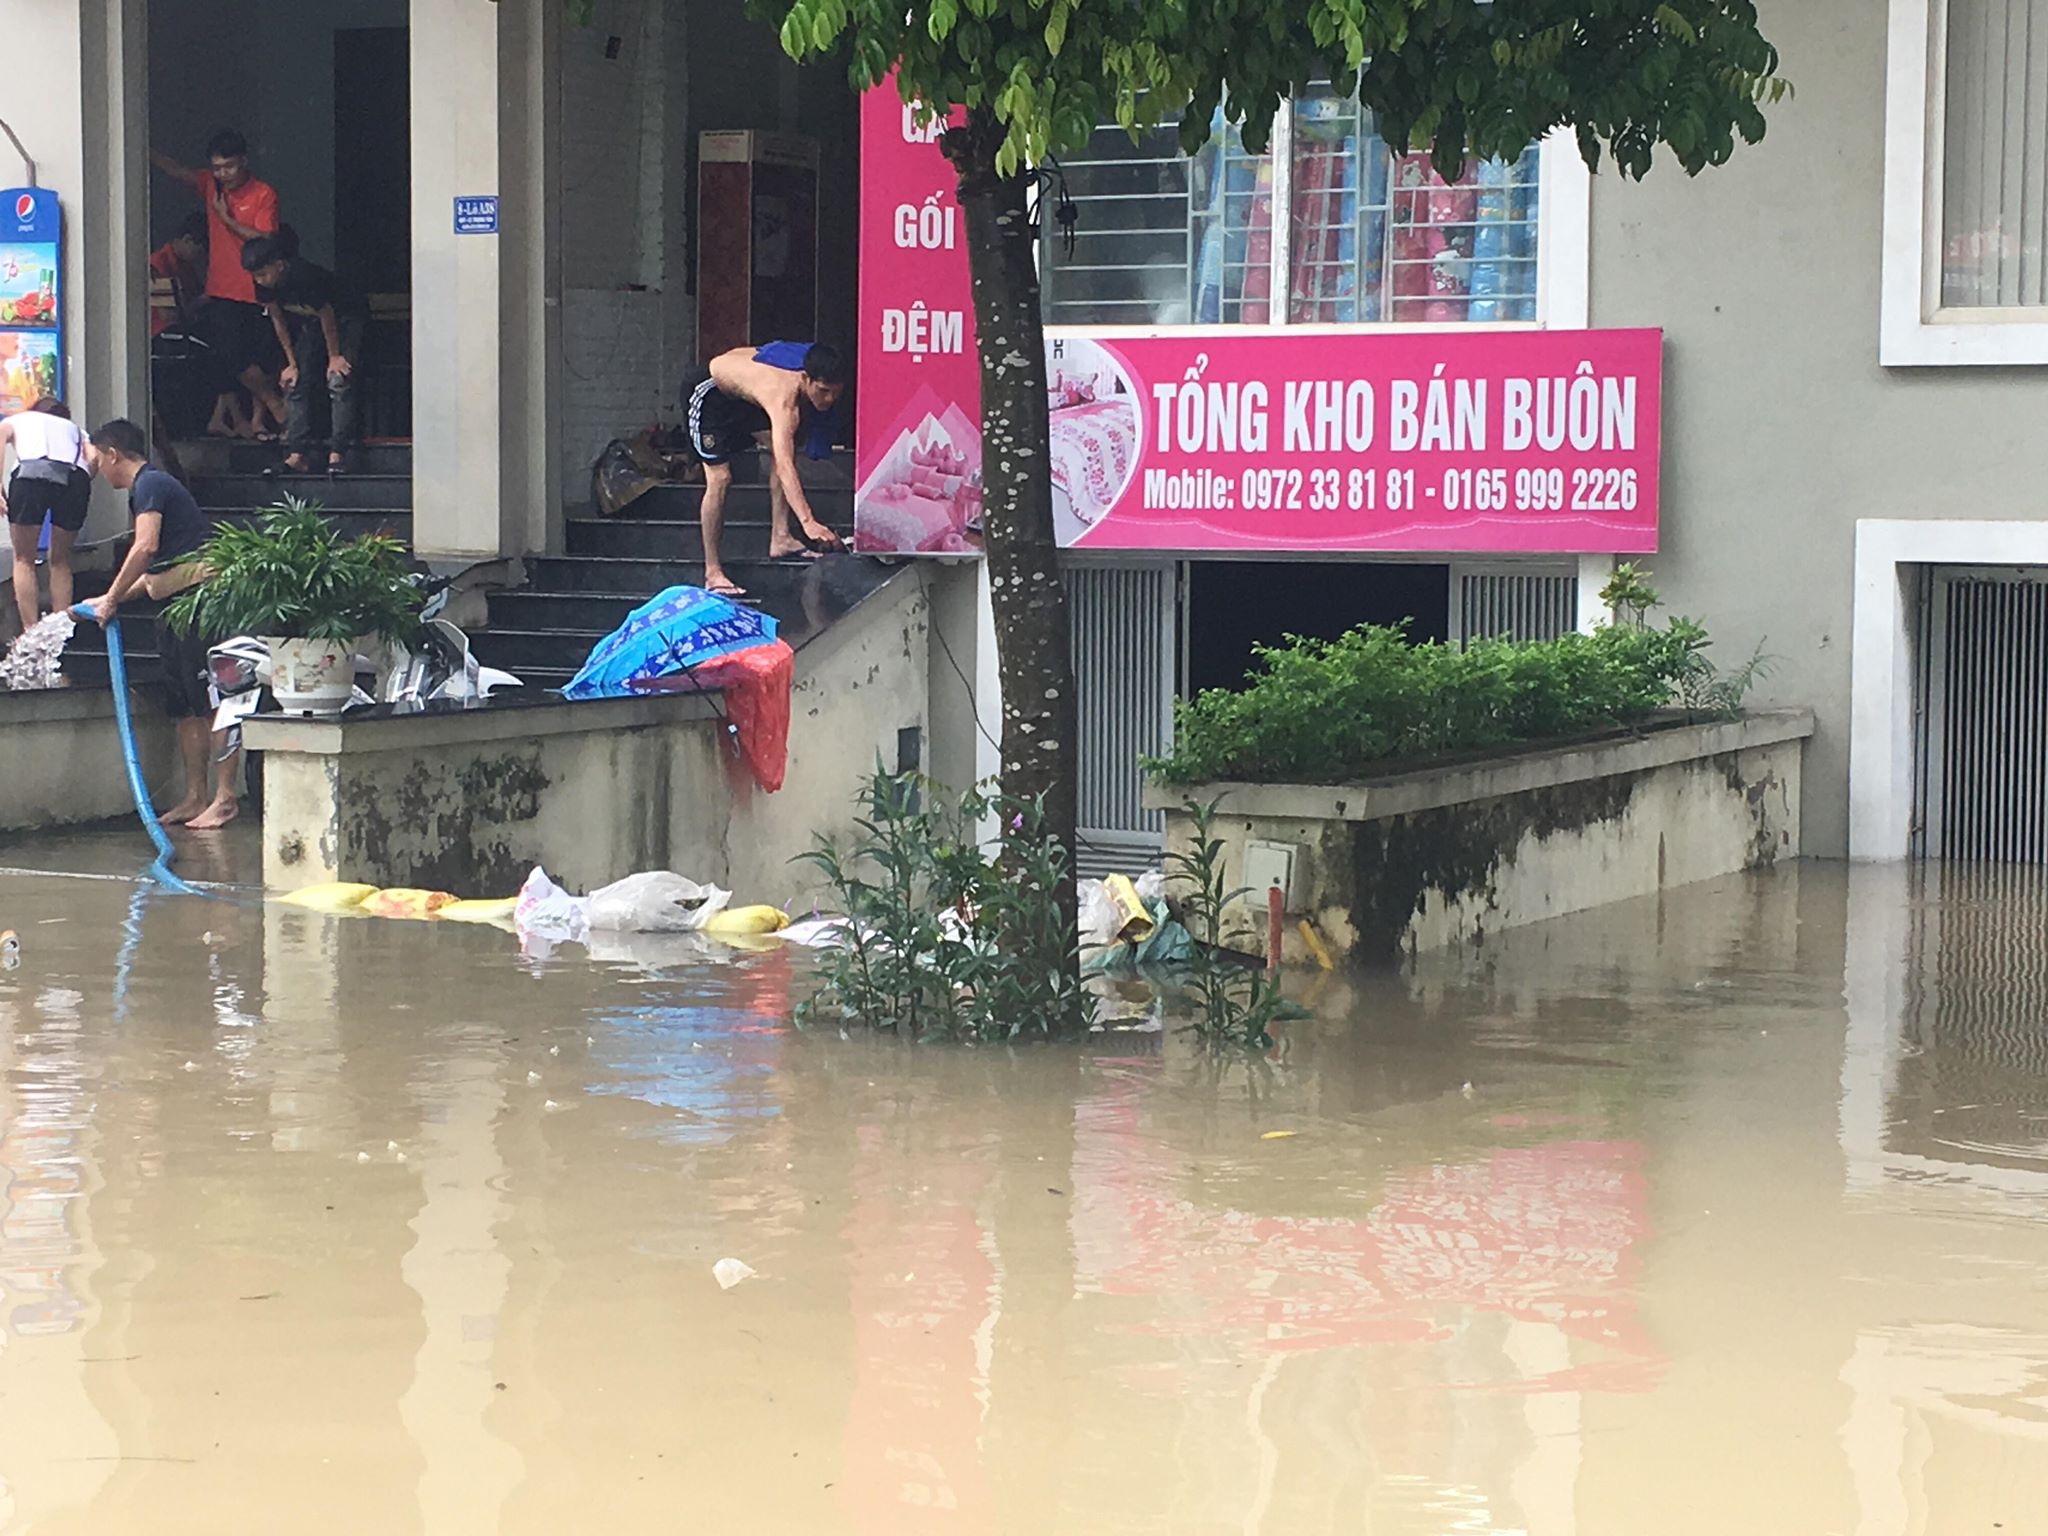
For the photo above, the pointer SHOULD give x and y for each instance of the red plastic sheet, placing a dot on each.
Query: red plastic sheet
(756, 683)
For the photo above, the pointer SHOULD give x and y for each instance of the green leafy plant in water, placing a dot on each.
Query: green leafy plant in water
(1231, 1003)
(948, 939)
(292, 576)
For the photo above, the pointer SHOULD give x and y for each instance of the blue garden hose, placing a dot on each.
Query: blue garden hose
(117, 675)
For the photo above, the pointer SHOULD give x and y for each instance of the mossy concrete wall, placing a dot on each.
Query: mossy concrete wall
(469, 802)
(1389, 867)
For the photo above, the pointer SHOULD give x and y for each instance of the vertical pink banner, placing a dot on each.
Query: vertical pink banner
(917, 437)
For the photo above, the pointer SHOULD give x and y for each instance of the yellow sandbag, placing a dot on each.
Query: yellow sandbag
(747, 943)
(339, 897)
(398, 901)
(747, 920)
(477, 911)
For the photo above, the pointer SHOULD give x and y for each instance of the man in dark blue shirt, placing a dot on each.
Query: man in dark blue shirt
(168, 527)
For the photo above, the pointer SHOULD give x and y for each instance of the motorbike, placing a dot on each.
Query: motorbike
(439, 667)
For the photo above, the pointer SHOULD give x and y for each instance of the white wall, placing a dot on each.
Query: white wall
(486, 307)
(626, 317)
(1781, 430)
(70, 110)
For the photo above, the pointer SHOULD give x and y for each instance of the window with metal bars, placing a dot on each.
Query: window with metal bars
(1165, 239)
(1369, 236)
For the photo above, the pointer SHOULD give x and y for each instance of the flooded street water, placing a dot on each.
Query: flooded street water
(1726, 1212)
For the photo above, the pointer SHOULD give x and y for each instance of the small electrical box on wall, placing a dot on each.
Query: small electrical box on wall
(757, 240)
(1267, 865)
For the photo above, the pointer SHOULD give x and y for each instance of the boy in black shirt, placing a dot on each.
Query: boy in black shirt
(319, 321)
(168, 527)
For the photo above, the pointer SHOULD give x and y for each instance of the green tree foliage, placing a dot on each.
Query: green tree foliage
(1470, 77)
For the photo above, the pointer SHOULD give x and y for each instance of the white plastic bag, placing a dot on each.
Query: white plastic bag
(1152, 886)
(1098, 913)
(656, 901)
(546, 910)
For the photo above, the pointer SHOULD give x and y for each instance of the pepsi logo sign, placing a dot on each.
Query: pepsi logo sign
(24, 205)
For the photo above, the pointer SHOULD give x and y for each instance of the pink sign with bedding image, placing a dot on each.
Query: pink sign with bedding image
(917, 428)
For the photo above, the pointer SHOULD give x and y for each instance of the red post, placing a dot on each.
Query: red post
(1275, 901)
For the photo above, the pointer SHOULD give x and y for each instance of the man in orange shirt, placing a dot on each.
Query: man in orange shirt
(239, 208)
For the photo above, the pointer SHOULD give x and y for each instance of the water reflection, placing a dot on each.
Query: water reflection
(1718, 1212)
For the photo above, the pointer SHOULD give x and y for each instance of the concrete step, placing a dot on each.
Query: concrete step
(216, 456)
(559, 611)
(834, 504)
(350, 522)
(90, 671)
(669, 539)
(775, 588)
(230, 492)
(528, 650)
(639, 579)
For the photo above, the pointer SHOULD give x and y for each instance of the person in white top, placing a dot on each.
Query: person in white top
(53, 469)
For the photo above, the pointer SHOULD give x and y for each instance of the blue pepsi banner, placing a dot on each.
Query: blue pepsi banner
(31, 306)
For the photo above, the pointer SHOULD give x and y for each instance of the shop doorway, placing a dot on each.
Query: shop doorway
(372, 156)
(320, 90)
(1234, 606)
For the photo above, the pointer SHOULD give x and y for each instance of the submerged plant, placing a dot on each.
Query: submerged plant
(947, 939)
(1233, 1003)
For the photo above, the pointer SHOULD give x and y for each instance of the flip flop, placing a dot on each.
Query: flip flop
(798, 557)
(732, 591)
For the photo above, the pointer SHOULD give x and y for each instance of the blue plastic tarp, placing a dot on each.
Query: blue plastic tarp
(671, 632)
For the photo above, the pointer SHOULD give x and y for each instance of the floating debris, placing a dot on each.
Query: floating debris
(730, 1272)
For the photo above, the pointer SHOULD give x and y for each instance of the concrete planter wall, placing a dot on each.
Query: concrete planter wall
(63, 757)
(1413, 861)
(468, 801)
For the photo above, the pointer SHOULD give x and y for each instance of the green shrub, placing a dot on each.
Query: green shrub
(946, 939)
(1323, 711)
(1229, 1003)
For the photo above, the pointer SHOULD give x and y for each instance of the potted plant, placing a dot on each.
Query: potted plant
(310, 595)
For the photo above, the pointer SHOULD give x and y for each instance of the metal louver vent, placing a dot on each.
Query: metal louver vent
(1513, 604)
(1123, 627)
(1988, 719)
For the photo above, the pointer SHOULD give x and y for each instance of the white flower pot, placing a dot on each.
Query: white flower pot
(312, 677)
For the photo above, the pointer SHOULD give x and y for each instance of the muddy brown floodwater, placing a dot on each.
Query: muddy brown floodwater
(1721, 1213)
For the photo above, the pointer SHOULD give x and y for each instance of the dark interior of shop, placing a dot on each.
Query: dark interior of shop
(1234, 605)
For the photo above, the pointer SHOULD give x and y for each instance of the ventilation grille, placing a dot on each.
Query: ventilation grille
(1123, 678)
(1991, 722)
(1515, 605)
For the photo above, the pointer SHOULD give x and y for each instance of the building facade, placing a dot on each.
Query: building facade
(1854, 321)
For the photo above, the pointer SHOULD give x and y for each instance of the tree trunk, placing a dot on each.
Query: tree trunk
(1039, 750)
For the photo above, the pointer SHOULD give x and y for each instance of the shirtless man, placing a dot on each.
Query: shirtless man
(753, 396)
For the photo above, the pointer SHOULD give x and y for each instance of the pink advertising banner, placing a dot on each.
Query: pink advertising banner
(917, 427)
(1283, 439)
